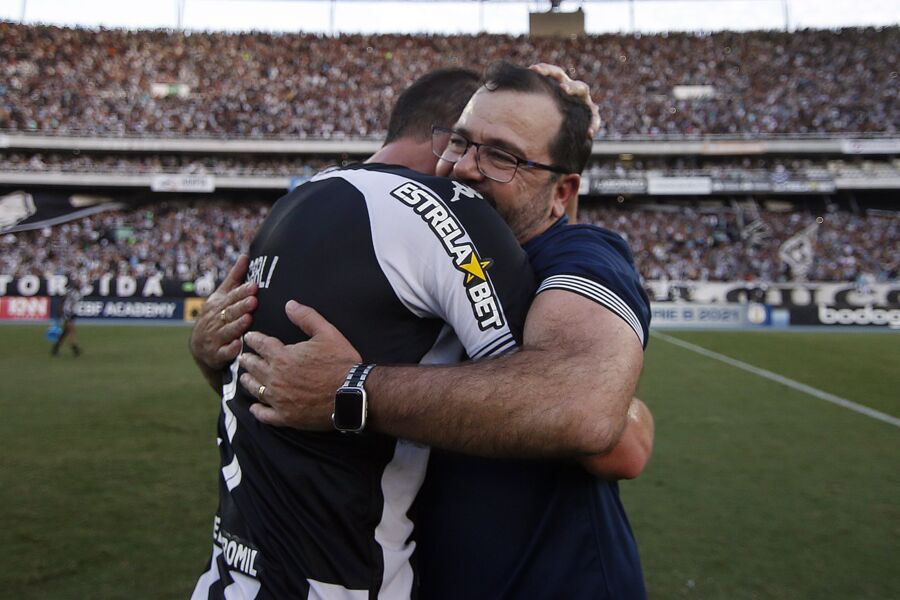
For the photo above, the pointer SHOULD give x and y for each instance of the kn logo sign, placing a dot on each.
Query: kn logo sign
(35, 308)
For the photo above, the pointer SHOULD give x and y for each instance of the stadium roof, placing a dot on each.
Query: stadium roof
(452, 16)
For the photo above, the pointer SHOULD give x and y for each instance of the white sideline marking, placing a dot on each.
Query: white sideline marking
(865, 410)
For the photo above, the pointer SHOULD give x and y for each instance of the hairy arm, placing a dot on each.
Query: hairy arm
(566, 393)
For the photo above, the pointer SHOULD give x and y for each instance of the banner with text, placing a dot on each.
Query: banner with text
(677, 314)
(865, 316)
(108, 286)
(144, 310)
(183, 183)
(787, 295)
(16, 308)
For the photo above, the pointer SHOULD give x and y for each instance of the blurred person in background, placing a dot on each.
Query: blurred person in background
(67, 314)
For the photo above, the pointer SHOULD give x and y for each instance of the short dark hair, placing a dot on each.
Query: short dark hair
(571, 148)
(436, 98)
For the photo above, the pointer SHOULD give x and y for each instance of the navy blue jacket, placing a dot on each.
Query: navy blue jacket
(495, 529)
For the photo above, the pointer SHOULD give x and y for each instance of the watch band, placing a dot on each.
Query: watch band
(356, 376)
(350, 402)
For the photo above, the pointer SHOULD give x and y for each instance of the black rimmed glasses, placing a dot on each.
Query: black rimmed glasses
(493, 162)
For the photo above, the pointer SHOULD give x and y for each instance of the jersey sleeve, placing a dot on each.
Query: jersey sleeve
(448, 255)
(597, 264)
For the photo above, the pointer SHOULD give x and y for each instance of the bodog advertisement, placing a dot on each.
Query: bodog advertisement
(779, 305)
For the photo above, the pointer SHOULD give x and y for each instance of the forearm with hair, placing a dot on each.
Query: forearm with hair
(566, 398)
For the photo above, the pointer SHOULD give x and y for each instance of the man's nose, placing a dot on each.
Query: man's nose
(466, 168)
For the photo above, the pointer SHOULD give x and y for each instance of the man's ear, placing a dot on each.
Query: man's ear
(565, 196)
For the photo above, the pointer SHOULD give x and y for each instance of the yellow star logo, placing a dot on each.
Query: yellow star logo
(475, 268)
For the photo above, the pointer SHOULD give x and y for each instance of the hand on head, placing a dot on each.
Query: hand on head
(573, 87)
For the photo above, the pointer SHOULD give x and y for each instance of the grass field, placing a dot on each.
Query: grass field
(755, 490)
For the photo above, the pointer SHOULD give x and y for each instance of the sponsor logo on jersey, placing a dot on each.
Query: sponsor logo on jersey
(466, 259)
(238, 554)
(461, 190)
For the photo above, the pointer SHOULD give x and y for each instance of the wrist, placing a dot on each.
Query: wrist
(351, 400)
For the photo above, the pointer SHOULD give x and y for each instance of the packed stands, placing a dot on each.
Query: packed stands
(141, 85)
(188, 240)
(306, 166)
(176, 240)
(60, 162)
(681, 243)
(115, 82)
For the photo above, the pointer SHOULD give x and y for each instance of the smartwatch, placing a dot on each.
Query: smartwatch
(350, 405)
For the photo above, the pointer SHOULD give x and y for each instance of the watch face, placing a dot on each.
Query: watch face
(349, 409)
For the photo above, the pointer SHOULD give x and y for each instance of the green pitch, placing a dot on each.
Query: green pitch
(755, 491)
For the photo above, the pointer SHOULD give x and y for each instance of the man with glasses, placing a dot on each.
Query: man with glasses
(494, 163)
(503, 527)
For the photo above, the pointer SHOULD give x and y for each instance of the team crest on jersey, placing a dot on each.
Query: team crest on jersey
(445, 226)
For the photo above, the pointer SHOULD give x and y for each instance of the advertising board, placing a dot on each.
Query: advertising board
(832, 316)
(679, 186)
(183, 183)
(17, 308)
(119, 309)
(679, 314)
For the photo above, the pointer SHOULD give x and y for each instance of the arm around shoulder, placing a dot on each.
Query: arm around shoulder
(566, 393)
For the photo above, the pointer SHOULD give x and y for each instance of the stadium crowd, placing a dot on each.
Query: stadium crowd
(290, 166)
(177, 241)
(187, 241)
(733, 245)
(116, 82)
(162, 163)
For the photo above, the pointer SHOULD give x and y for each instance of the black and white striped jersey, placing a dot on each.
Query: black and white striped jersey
(70, 304)
(412, 269)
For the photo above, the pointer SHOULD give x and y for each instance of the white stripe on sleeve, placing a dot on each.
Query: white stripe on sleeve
(598, 293)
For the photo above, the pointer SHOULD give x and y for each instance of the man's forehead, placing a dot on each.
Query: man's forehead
(522, 122)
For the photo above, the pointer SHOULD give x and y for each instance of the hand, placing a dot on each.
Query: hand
(575, 88)
(300, 379)
(225, 316)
